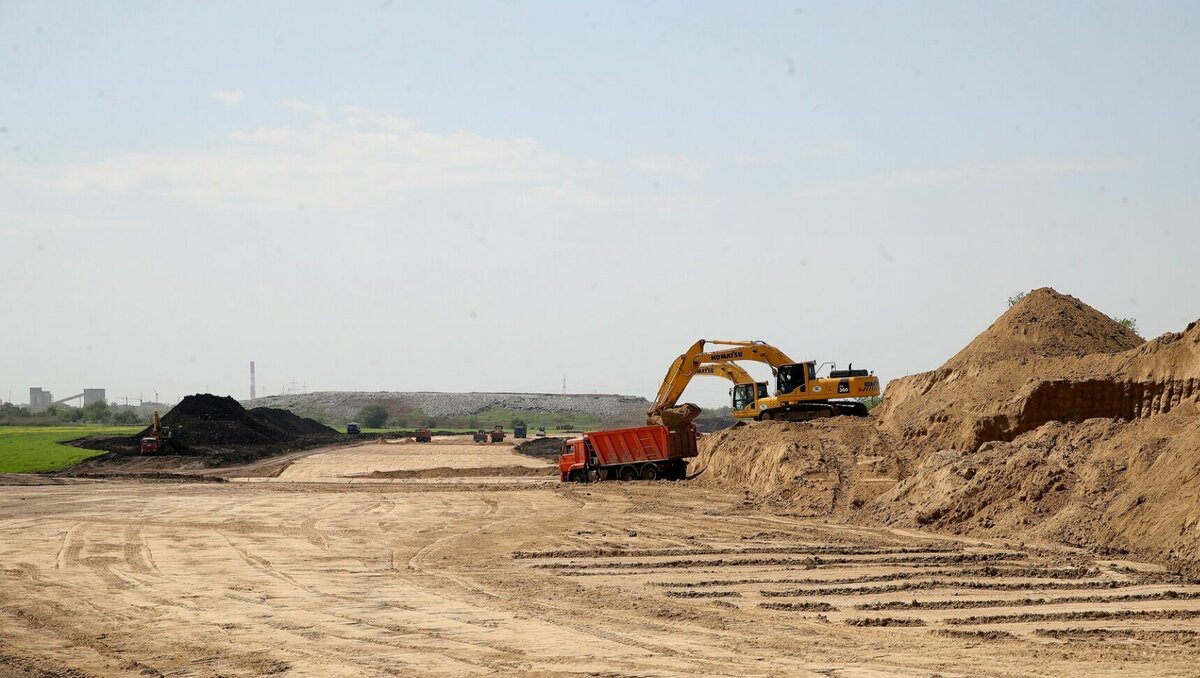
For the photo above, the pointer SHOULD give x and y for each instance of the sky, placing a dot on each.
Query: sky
(462, 196)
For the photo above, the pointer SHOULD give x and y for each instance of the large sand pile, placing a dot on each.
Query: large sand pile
(1056, 422)
(1014, 377)
(816, 468)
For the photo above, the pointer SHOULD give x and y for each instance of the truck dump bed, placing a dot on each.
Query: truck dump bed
(646, 452)
(643, 443)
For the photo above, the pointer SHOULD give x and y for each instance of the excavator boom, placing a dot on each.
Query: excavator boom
(729, 371)
(758, 351)
(678, 376)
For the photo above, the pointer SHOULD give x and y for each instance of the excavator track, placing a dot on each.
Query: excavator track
(809, 411)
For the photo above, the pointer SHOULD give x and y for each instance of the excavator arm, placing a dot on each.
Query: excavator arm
(678, 376)
(758, 351)
(694, 362)
(729, 371)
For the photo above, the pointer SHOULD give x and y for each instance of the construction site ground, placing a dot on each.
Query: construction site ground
(459, 559)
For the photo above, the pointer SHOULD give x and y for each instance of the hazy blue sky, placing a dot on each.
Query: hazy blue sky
(483, 196)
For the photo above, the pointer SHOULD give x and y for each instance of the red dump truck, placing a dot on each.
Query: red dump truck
(645, 452)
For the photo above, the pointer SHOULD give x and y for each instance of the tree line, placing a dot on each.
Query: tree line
(94, 413)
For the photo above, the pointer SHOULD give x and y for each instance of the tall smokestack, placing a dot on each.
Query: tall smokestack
(252, 381)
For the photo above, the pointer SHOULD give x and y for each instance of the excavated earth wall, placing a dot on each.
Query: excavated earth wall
(1056, 422)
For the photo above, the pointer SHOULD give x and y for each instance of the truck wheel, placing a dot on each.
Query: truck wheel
(629, 473)
(649, 472)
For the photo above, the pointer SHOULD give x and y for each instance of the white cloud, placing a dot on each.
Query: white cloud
(939, 176)
(228, 97)
(669, 165)
(297, 106)
(357, 158)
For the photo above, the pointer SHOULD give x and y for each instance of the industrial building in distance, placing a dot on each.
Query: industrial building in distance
(40, 400)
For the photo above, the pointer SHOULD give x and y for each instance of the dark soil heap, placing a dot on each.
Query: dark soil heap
(205, 420)
(289, 422)
(543, 448)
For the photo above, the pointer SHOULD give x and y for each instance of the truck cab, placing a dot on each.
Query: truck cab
(573, 460)
(353, 428)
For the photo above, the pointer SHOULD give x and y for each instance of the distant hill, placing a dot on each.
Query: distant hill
(414, 408)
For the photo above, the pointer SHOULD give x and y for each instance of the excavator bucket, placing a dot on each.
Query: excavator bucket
(675, 418)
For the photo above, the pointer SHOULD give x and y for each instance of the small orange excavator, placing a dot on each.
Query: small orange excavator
(157, 440)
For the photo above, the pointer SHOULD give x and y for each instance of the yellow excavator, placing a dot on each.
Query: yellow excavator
(799, 395)
(745, 391)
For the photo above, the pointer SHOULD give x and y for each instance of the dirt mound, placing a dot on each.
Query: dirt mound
(206, 419)
(814, 468)
(209, 430)
(289, 422)
(1046, 324)
(457, 472)
(1056, 422)
(541, 447)
(1048, 358)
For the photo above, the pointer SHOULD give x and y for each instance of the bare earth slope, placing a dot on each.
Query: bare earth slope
(1056, 423)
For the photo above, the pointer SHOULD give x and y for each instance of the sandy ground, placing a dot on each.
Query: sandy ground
(307, 578)
(453, 452)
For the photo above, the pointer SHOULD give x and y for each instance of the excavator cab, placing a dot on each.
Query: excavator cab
(794, 378)
(745, 396)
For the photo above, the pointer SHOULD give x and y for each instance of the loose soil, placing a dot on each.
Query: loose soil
(116, 576)
(1028, 509)
(1056, 423)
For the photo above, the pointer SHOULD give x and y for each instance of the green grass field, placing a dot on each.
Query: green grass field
(38, 449)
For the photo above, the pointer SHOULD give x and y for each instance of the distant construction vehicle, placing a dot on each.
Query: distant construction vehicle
(799, 395)
(423, 435)
(497, 434)
(156, 442)
(520, 431)
(541, 432)
(640, 453)
(353, 428)
(480, 436)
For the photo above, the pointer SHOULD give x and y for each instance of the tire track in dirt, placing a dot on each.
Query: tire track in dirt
(263, 565)
(61, 559)
(1026, 602)
(137, 554)
(566, 617)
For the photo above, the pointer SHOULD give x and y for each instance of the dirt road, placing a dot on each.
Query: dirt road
(475, 578)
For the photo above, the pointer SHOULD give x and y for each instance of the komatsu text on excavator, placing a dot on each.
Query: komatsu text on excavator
(800, 394)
